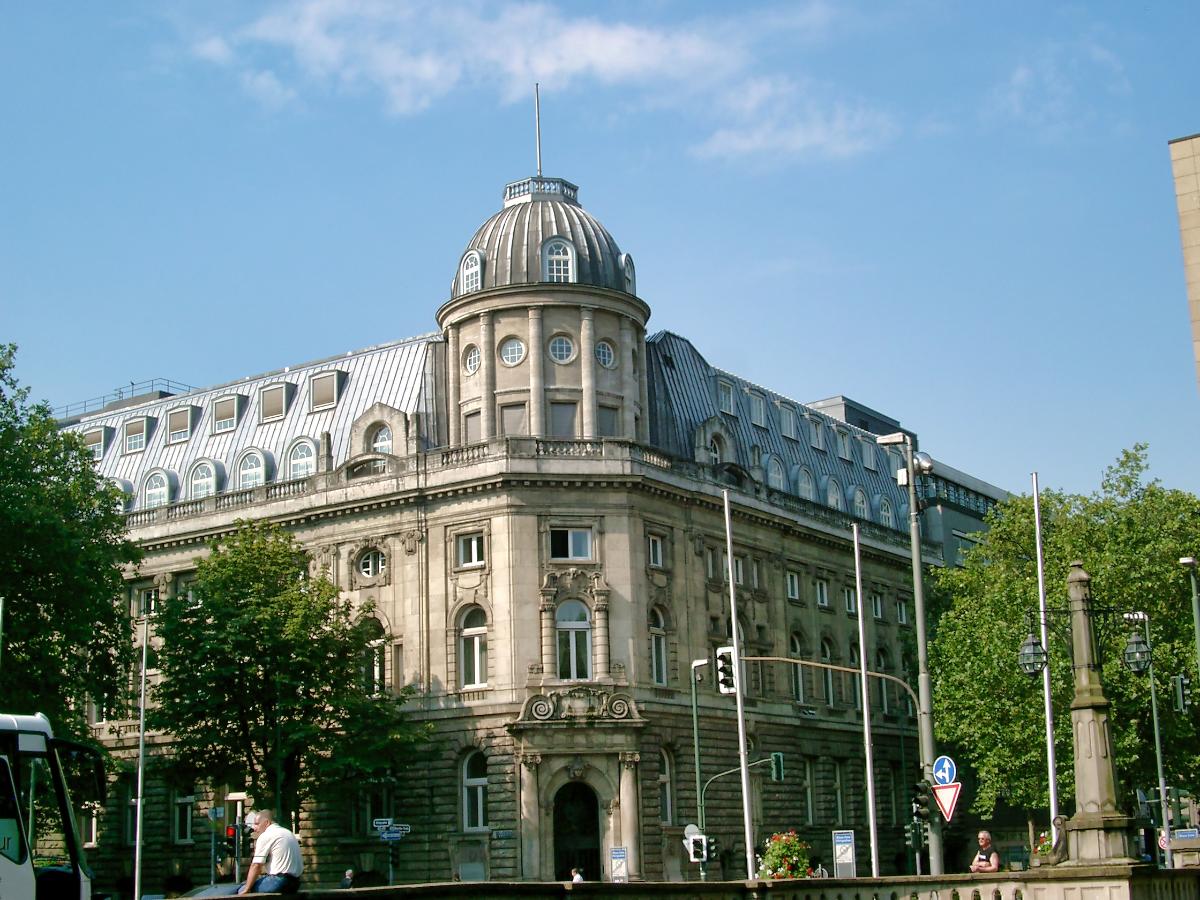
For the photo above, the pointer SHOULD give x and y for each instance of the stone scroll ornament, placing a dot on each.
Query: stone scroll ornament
(580, 703)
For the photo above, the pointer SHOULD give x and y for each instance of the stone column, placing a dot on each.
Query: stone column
(600, 647)
(643, 387)
(629, 388)
(548, 648)
(531, 817)
(537, 381)
(631, 834)
(453, 376)
(1098, 834)
(487, 354)
(587, 359)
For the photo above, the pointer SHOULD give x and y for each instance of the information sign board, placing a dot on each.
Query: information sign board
(618, 864)
(843, 854)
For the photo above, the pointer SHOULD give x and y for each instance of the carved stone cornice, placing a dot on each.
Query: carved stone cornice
(581, 703)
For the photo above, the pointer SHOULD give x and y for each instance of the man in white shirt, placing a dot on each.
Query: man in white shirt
(276, 865)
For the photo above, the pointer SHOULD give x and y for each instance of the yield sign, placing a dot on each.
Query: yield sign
(946, 796)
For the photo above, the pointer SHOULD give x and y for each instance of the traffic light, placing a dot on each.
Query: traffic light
(712, 850)
(777, 766)
(922, 800)
(726, 673)
(697, 848)
(1181, 690)
(910, 839)
(231, 840)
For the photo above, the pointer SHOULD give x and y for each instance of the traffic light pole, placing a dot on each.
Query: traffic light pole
(696, 665)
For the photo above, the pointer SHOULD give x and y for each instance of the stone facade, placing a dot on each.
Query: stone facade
(532, 499)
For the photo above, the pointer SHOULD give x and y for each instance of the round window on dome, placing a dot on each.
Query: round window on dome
(562, 348)
(471, 359)
(512, 351)
(605, 354)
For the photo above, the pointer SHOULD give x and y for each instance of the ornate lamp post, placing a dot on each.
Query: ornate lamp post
(1138, 658)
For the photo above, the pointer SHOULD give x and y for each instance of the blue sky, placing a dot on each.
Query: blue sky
(959, 214)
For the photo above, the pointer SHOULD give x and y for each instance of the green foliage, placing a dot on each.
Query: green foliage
(66, 639)
(265, 677)
(784, 856)
(1129, 536)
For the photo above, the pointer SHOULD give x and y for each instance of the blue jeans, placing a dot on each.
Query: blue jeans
(277, 884)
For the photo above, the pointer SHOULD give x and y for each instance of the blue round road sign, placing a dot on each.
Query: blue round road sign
(944, 770)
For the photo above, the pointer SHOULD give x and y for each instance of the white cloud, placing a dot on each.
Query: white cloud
(214, 50)
(264, 86)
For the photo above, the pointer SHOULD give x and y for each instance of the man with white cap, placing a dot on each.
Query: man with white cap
(276, 865)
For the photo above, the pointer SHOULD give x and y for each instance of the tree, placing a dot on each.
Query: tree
(65, 638)
(1129, 536)
(268, 676)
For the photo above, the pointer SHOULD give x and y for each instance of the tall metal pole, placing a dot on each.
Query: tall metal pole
(537, 126)
(141, 772)
(696, 664)
(1162, 781)
(2, 619)
(924, 686)
(739, 693)
(1051, 768)
(865, 688)
(1187, 561)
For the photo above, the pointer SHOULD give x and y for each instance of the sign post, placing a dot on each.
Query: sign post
(618, 864)
(843, 854)
(945, 789)
(391, 832)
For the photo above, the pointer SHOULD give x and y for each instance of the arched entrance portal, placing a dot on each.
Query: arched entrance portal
(576, 832)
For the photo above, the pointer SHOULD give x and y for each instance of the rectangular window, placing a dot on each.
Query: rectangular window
(470, 549)
(88, 823)
(562, 420)
(817, 440)
(323, 390)
(513, 420)
(807, 789)
(398, 678)
(570, 543)
(710, 563)
(901, 612)
(822, 592)
(135, 436)
(843, 445)
(868, 452)
(839, 791)
(787, 422)
(754, 573)
(147, 601)
(758, 409)
(793, 585)
(850, 598)
(225, 414)
(606, 421)
(877, 604)
(737, 569)
(472, 428)
(94, 441)
(725, 397)
(184, 806)
(179, 425)
(654, 551)
(272, 402)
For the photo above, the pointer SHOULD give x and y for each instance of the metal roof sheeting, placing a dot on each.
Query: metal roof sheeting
(398, 374)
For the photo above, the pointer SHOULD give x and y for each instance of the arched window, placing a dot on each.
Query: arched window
(666, 804)
(372, 563)
(373, 671)
(252, 471)
(203, 482)
(557, 258)
(155, 492)
(797, 672)
(882, 663)
(472, 647)
(472, 271)
(574, 626)
(856, 678)
(630, 273)
(827, 674)
(381, 440)
(474, 781)
(658, 646)
(833, 495)
(302, 461)
(775, 476)
(805, 486)
(861, 509)
(716, 450)
(886, 515)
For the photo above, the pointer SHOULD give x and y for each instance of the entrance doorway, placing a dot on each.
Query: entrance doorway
(576, 832)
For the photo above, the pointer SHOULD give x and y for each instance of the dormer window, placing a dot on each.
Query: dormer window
(252, 471)
(758, 409)
(94, 441)
(381, 439)
(843, 444)
(558, 258)
(818, 441)
(725, 397)
(628, 274)
(179, 425)
(302, 461)
(225, 414)
(273, 402)
(136, 431)
(471, 274)
(323, 391)
(154, 492)
(787, 422)
(868, 455)
(203, 481)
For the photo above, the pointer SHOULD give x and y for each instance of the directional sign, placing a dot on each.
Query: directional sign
(944, 770)
(380, 824)
(390, 836)
(946, 796)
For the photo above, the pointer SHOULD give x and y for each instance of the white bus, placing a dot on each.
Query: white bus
(41, 855)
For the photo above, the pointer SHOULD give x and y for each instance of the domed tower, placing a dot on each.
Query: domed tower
(545, 333)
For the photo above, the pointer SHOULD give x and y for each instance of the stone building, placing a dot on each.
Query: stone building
(531, 496)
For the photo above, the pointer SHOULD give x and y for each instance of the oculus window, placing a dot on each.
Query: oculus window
(372, 563)
(562, 348)
(471, 359)
(605, 354)
(512, 351)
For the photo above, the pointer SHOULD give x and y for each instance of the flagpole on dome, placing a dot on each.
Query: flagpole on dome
(537, 126)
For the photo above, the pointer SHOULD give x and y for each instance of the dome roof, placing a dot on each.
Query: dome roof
(508, 247)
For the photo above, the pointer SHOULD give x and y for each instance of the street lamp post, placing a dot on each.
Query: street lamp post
(1139, 658)
(1190, 563)
(698, 664)
(915, 464)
